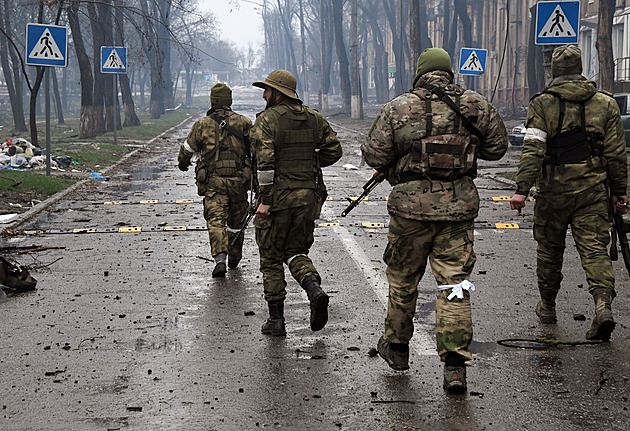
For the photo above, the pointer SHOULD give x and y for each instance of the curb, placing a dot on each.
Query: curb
(24, 217)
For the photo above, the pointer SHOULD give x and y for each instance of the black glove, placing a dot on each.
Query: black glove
(183, 166)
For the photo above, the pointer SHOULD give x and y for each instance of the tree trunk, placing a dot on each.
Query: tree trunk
(604, 45)
(57, 99)
(288, 35)
(414, 32)
(397, 24)
(129, 109)
(326, 51)
(533, 55)
(98, 91)
(356, 104)
(342, 56)
(87, 122)
(163, 17)
(381, 76)
(15, 93)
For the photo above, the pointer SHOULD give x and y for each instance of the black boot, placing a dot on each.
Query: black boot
(319, 302)
(275, 323)
(219, 267)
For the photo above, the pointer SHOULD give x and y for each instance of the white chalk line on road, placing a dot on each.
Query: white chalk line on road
(422, 342)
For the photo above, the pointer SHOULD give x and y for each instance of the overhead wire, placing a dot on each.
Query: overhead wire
(507, 32)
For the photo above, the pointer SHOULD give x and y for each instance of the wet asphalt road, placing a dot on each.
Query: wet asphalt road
(128, 330)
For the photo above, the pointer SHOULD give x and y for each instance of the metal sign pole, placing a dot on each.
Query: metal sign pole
(115, 107)
(47, 103)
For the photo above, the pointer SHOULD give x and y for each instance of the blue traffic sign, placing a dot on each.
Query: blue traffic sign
(557, 22)
(46, 45)
(113, 59)
(472, 61)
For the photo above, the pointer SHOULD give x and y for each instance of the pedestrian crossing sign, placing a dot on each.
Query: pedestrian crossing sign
(113, 59)
(557, 22)
(472, 61)
(46, 45)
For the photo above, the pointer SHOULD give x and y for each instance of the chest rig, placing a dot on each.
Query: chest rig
(573, 146)
(222, 158)
(295, 152)
(445, 156)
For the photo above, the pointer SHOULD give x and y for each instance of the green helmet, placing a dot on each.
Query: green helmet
(220, 95)
(566, 60)
(282, 80)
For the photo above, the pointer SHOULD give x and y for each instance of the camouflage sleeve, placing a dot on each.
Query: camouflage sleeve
(534, 148)
(496, 138)
(262, 138)
(189, 147)
(614, 151)
(329, 147)
(378, 148)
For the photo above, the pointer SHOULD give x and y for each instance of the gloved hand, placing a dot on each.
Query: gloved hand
(183, 166)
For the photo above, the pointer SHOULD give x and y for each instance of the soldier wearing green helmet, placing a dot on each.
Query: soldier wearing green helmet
(291, 143)
(223, 169)
(573, 151)
(426, 143)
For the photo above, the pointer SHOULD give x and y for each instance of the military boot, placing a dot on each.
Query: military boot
(454, 374)
(603, 324)
(546, 312)
(275, 323)
(219, 265)
(319, 302)
(395, 354)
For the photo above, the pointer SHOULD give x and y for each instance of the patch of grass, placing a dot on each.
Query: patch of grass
(18, 182)
(89, 157)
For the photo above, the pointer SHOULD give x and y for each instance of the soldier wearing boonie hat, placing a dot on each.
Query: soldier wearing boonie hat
(291, 142)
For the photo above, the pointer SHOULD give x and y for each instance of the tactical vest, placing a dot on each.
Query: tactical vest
(221, 157)
(295, 150)
(442, 157)
(572, 146)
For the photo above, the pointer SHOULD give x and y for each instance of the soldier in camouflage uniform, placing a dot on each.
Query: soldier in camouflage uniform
(291, 142)
(223, 170)
(427, 152)
(574, 145)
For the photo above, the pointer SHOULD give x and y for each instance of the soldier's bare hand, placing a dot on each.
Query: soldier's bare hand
(620, 204)
(264, 210)
(517, 202)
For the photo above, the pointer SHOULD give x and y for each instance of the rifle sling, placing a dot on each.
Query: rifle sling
(465, 121)
(233, 131)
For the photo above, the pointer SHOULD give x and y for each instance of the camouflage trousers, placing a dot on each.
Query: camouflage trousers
(285, 237)
(224, 209)
(449, 248)
(588, 215)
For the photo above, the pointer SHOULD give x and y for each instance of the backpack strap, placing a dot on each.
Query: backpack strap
(465, 121)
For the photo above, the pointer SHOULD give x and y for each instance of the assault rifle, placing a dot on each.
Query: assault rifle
(621, 230)
(251, 212)
(376, 179)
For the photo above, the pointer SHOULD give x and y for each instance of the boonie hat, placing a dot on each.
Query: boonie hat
(282, 80)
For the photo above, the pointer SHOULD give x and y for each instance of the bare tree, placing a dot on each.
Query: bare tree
(604, 45)
(342, 56)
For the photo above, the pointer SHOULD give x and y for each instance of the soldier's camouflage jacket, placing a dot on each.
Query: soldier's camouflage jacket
(403, 123)
(284, 139)
(222, 156)
(604, 130)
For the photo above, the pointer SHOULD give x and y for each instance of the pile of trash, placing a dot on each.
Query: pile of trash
(21, 154)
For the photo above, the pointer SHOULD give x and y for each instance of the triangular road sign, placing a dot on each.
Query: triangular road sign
(113, 61)
(557, 25)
